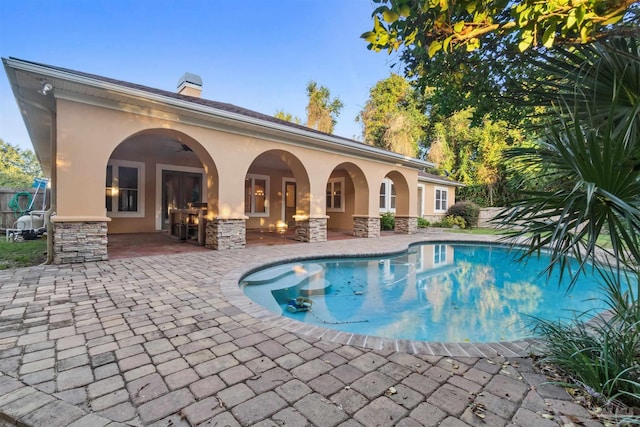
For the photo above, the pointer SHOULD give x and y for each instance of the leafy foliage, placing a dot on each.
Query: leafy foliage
(489, 80)
(473, 155)
(450, 221)
(590, 159)
(595, 83)
(422, 222)
(280, 114)
(468, 211)
(468, 53)
(321, 110)
(391, 117)
(448, 25)
(18, 168)
(600, 354)
(501, 194)
(387, 221)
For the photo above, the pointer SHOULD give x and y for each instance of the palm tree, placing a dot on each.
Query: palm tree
(589, 156)
(321, 109)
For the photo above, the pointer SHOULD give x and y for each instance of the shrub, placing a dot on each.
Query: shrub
(422, 222)
(387, 221)
(468, 211)
(601, 354)
(455, 221)
(450, 221)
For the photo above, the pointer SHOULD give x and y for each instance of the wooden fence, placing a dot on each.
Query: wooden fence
(7, 215)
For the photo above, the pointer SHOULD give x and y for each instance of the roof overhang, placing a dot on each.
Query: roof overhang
(440, 181)
(38, 111)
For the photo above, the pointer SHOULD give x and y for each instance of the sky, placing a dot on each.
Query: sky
(254, 54)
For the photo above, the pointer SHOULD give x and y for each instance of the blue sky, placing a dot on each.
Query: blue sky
(254, 54)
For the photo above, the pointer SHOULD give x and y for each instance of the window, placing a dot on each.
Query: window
(441, 200)
(256, 195)
(387, 196)
(124, 193)
(335, 198)
(392, 198)
(439, 254)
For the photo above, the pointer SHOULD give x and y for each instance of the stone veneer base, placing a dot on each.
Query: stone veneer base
(366, 226)
(79, 242)
(406, 224)
(311, 230)
(224, 234)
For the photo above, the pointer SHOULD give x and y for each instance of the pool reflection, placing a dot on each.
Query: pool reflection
(435, 292)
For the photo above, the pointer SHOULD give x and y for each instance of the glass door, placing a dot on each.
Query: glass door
(290, 199)
(180, 190)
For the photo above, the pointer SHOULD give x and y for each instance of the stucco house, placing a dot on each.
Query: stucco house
(125, 158)
(435, 195)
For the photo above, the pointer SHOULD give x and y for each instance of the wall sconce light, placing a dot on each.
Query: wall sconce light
(46, 88)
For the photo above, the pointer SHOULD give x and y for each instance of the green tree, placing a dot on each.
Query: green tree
(493, 139)
(477, 54)
(489, 80)
(391, 117)
(451, 146)
(18, 168)
(321, 109)
(473, 154)
(280, 114)
(440, 151)
(448, 25)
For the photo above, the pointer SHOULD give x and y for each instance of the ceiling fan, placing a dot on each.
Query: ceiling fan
(184, 147)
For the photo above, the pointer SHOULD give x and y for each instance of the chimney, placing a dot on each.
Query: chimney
(190, 85)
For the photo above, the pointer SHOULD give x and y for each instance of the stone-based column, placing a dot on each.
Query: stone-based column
(366, 226)
(311, 230)
(406, 224)
(79, 241)
(223, 234)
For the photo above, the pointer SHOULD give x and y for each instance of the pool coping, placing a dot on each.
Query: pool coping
(230, 289)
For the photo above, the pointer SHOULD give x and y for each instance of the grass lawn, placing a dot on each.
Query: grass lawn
(22, 254)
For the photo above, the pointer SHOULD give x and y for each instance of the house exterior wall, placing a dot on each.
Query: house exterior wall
(343, 220)
(429, 207)
(89, 135)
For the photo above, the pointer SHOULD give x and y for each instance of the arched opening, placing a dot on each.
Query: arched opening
(394, 204)
(347, 196)
(394, 194)
(276, 195)
(160, 180)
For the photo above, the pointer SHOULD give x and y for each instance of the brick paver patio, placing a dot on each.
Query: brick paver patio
(170, 341)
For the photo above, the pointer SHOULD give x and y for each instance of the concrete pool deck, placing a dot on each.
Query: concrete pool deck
(169, 340)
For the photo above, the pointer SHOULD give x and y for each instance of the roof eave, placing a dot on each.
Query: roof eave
(441, 181)
(326, 139)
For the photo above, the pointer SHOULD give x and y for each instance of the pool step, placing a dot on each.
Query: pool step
(284, 282)
(314, 286)
(279, 271)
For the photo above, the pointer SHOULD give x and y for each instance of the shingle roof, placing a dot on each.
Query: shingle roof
(433, 177)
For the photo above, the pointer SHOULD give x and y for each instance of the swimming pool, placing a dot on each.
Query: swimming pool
(445, 292)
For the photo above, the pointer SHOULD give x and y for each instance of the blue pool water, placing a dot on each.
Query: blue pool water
(432, 292)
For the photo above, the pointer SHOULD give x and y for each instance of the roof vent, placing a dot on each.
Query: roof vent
(190, 85)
